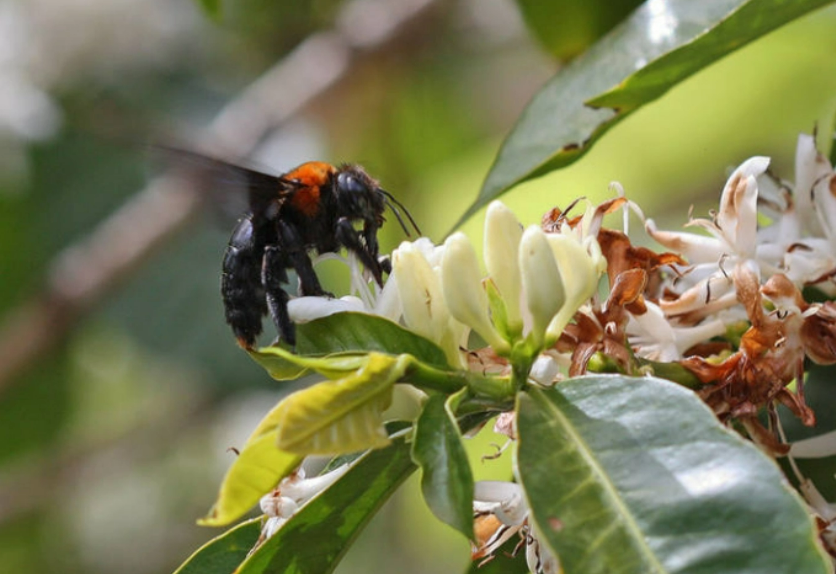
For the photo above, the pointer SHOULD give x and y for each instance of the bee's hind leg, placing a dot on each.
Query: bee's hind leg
(274, 276)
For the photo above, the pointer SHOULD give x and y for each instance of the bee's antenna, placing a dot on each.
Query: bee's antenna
(398, 216)
(390, 200)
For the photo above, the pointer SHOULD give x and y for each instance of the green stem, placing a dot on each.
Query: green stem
(496, 389)
(499, 389)
(673, 372)
(522, 358)
(423, 376)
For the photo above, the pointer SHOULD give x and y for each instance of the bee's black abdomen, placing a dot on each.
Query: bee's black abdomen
(241, 286)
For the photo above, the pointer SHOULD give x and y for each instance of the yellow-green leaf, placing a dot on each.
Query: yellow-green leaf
(256, 471)
(283, 365)
(341, 416)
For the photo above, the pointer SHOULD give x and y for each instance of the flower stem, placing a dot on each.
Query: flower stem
(496, 389)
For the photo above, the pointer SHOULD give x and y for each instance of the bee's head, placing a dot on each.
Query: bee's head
(358, 195)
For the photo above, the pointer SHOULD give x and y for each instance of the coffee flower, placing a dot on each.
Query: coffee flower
(536, 282)
(416, 268)
(290, 495)
(501, 512)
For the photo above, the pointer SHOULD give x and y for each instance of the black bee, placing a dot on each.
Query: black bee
(311, 208)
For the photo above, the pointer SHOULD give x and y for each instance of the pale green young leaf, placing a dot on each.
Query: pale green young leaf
(344, 415)
(256, 471)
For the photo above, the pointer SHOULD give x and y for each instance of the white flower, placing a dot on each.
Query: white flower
(292, 493)
(501, 512)
(425, 311)
(366, 296)
(655, 337)
(733, 240)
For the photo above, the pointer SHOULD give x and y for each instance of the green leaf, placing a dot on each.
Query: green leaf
(446, 479)
(568, 27)
(661, 44)
(224, 553)
(627, 475)
(315, 539)
(277, 364)
(359, 332)
(255, 472)
(341, 416)
(283, 365)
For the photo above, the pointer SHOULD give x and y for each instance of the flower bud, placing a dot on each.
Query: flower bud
(579, 271)
(503, 234)
(461, 283)
(541, 280)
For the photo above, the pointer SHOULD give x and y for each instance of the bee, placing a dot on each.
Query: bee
(315, 207)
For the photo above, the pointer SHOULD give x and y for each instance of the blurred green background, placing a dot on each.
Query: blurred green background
(116, 434)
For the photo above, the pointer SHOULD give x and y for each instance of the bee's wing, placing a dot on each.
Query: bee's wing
(225, 182)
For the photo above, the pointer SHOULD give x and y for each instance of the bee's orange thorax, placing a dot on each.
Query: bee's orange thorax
(312, 175)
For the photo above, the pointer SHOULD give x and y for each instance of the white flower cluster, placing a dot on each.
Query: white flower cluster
(799, 242)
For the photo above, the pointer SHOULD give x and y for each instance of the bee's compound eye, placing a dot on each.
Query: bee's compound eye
(346, 182)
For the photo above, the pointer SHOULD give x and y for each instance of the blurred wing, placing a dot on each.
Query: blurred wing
(225, 182)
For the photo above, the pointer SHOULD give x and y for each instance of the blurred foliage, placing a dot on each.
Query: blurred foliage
(425, 118)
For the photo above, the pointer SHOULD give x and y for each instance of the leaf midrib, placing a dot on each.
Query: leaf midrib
(609, 488)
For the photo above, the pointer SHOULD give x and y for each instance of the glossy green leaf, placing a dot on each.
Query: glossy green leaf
(446, 478)
(315, 539)
(224, 553)
(255, 472)
(341, 416)
(629, 475)
(659, 45)
(359, 332)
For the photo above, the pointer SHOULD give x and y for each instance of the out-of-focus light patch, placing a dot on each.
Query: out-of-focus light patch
(369, 22)
(25, 111)
(296, 142)
(495, 21)
(72, 40)
(663, 23)
(118, 386)
(116, 517)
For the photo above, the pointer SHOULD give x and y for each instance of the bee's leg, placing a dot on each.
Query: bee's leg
(298, 258)
(350, 239)
(370, 236)
(273, 276)
(385, 264)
